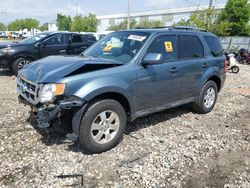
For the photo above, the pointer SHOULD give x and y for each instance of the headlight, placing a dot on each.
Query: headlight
(49, 91)
(6, 51)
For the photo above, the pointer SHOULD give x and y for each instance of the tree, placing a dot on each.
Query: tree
(235, 18)
(2, 27)
(123, 25)
(183, 22)
(27, 23)
(150, 24)
(204, 19)
(63, 22)
(43, 27)
(84, 23)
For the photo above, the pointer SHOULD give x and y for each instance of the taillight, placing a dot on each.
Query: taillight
(225, 65)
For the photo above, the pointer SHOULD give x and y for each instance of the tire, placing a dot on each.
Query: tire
(94, 135)
(204, 106)
(18, 64)
(235, 69)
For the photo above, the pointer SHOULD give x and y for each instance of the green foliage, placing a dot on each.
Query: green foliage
(235, 18)
(182, 22)
(123, 25)
(43, 27)
(150, 24)
(84, 23)
(204, 19)
(134, 24)
(27, 23)
(2, 27)
(63, 22)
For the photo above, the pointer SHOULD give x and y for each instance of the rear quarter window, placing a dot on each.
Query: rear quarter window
(214, 45)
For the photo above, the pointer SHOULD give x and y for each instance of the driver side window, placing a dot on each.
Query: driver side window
(55, 40)
(165, 45)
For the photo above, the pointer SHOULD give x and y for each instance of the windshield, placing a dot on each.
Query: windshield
(33, 39)
(119, 46)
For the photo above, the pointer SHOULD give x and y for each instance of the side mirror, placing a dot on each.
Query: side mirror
(152, 59)
(39, 45)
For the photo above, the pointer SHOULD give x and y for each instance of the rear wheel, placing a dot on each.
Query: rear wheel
(207, 98)
(102, 126)
(19, 63)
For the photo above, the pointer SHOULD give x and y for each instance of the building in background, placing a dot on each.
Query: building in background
(167, 16)
(52, 26)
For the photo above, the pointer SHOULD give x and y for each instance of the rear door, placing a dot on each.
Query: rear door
(191, 65)
(79, 43)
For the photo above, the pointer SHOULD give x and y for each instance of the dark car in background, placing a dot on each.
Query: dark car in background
(15, 55)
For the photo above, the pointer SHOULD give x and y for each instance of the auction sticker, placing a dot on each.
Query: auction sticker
(168, 46)
(137, 37)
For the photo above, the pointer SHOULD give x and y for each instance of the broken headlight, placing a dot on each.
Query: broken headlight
(49, 91)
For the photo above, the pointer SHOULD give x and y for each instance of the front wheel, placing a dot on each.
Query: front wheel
(207, 98)
(19, 63)
(102, 126)
(235, 69)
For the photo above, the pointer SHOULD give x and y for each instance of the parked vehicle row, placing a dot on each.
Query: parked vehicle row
(15, 55)
(125, 75)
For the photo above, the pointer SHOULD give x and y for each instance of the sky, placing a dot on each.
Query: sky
(46, 10)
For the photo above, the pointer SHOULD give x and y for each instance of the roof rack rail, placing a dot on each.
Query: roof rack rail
(189, 28)
(176, 28)
(160, 27)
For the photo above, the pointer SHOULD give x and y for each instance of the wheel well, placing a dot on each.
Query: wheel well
(116, 96)
(217, 80)
(21, 56)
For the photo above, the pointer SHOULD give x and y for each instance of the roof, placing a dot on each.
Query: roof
(162, 11)
(176, 29)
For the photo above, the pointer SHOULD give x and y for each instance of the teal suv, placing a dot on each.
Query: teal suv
(126, 75)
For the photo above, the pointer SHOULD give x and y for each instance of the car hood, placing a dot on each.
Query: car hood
(9, 44)
(53, 68)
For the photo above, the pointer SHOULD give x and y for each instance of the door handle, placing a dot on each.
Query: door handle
(62, 51)
(173, 70)
(204, 65)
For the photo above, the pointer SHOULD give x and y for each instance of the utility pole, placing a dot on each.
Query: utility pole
(6, 20)
(211, 3)
(128, 18)
(77, 9)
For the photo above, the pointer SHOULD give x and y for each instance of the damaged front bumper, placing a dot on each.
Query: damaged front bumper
(46, 113)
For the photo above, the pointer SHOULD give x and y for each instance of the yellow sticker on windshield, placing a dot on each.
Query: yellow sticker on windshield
(168, 46)
(108, 47)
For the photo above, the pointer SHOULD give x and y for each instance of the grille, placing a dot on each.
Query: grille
(28, 90)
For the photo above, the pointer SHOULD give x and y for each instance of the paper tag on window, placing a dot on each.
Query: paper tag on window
(168, 46)
(137, 37)
(108, 47)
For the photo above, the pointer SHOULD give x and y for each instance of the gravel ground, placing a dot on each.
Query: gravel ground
(174, 148)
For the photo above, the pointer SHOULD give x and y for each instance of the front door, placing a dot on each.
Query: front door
(158, 85)
(55, 45)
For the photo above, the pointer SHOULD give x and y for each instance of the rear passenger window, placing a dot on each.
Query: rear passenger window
(77, 39)
(191, 47)
(165, 45)
(214, 45)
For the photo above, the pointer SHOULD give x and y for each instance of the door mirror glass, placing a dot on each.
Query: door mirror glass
(39, 45)
(152, 59)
